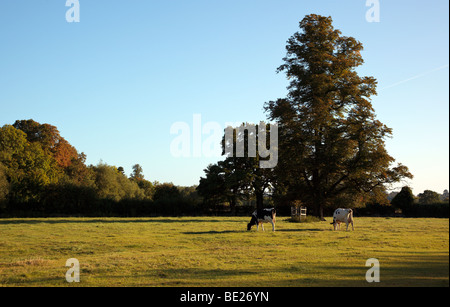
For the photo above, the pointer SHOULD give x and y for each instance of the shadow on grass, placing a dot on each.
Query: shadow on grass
(411, 270)
(408, 270)
(398, 275)
(299, 230)
(213, 232)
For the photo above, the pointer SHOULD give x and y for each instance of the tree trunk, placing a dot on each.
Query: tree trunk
(318, 207)
(259, 200)
(318, 199)
(233, 206)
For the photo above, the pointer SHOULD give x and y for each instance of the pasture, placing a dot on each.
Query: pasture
(218, 251)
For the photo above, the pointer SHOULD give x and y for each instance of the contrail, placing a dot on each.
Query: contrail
(415, 77)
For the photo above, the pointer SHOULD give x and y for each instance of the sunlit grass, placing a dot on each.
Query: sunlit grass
(214, 251)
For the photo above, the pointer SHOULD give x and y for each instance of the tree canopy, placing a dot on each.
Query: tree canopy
(240, 174)
(429, 197)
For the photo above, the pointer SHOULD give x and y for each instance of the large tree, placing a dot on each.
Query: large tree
(244, 159)
(330, 140)
(223, 181)
(240, 175)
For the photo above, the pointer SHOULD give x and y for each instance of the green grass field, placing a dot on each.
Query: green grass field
(214, 252)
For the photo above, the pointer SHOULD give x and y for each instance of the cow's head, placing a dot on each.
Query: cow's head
(253, 222)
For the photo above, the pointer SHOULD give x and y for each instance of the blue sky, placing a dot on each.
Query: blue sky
(115, 82)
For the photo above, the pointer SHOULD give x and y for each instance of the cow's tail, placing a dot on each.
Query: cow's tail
(334, 221)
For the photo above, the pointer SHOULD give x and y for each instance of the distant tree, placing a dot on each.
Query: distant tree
(28, 166)
(147, 188)
(64, 153)
(429, 197)
(172, 200)
(112, 185)
(404, 199)
(330, 141)
(243, 172)
(376, 196)
(225, 181)
(121, 170)
(51, 141)
(79, 173)
(137, 172)
(190, 195)
(392, 195)
(445, 196)
(164, 191)
(212, 187)
(237, 180)
(240, 175)
(45, 134)
(12, 142)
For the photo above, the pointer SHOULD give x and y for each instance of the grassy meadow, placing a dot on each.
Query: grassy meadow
(213, 251)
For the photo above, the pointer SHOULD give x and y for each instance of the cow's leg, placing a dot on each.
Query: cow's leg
(271, 221)
(262, 225)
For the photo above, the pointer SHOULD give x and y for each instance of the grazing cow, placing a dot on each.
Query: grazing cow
(342, 216)
(262, 216)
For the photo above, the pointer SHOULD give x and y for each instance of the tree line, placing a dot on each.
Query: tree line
(42, 174)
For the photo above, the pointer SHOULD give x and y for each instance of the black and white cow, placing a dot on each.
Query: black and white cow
(262, 216)
(342, 216)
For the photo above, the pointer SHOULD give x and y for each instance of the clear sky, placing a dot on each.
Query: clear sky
(116, 82)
